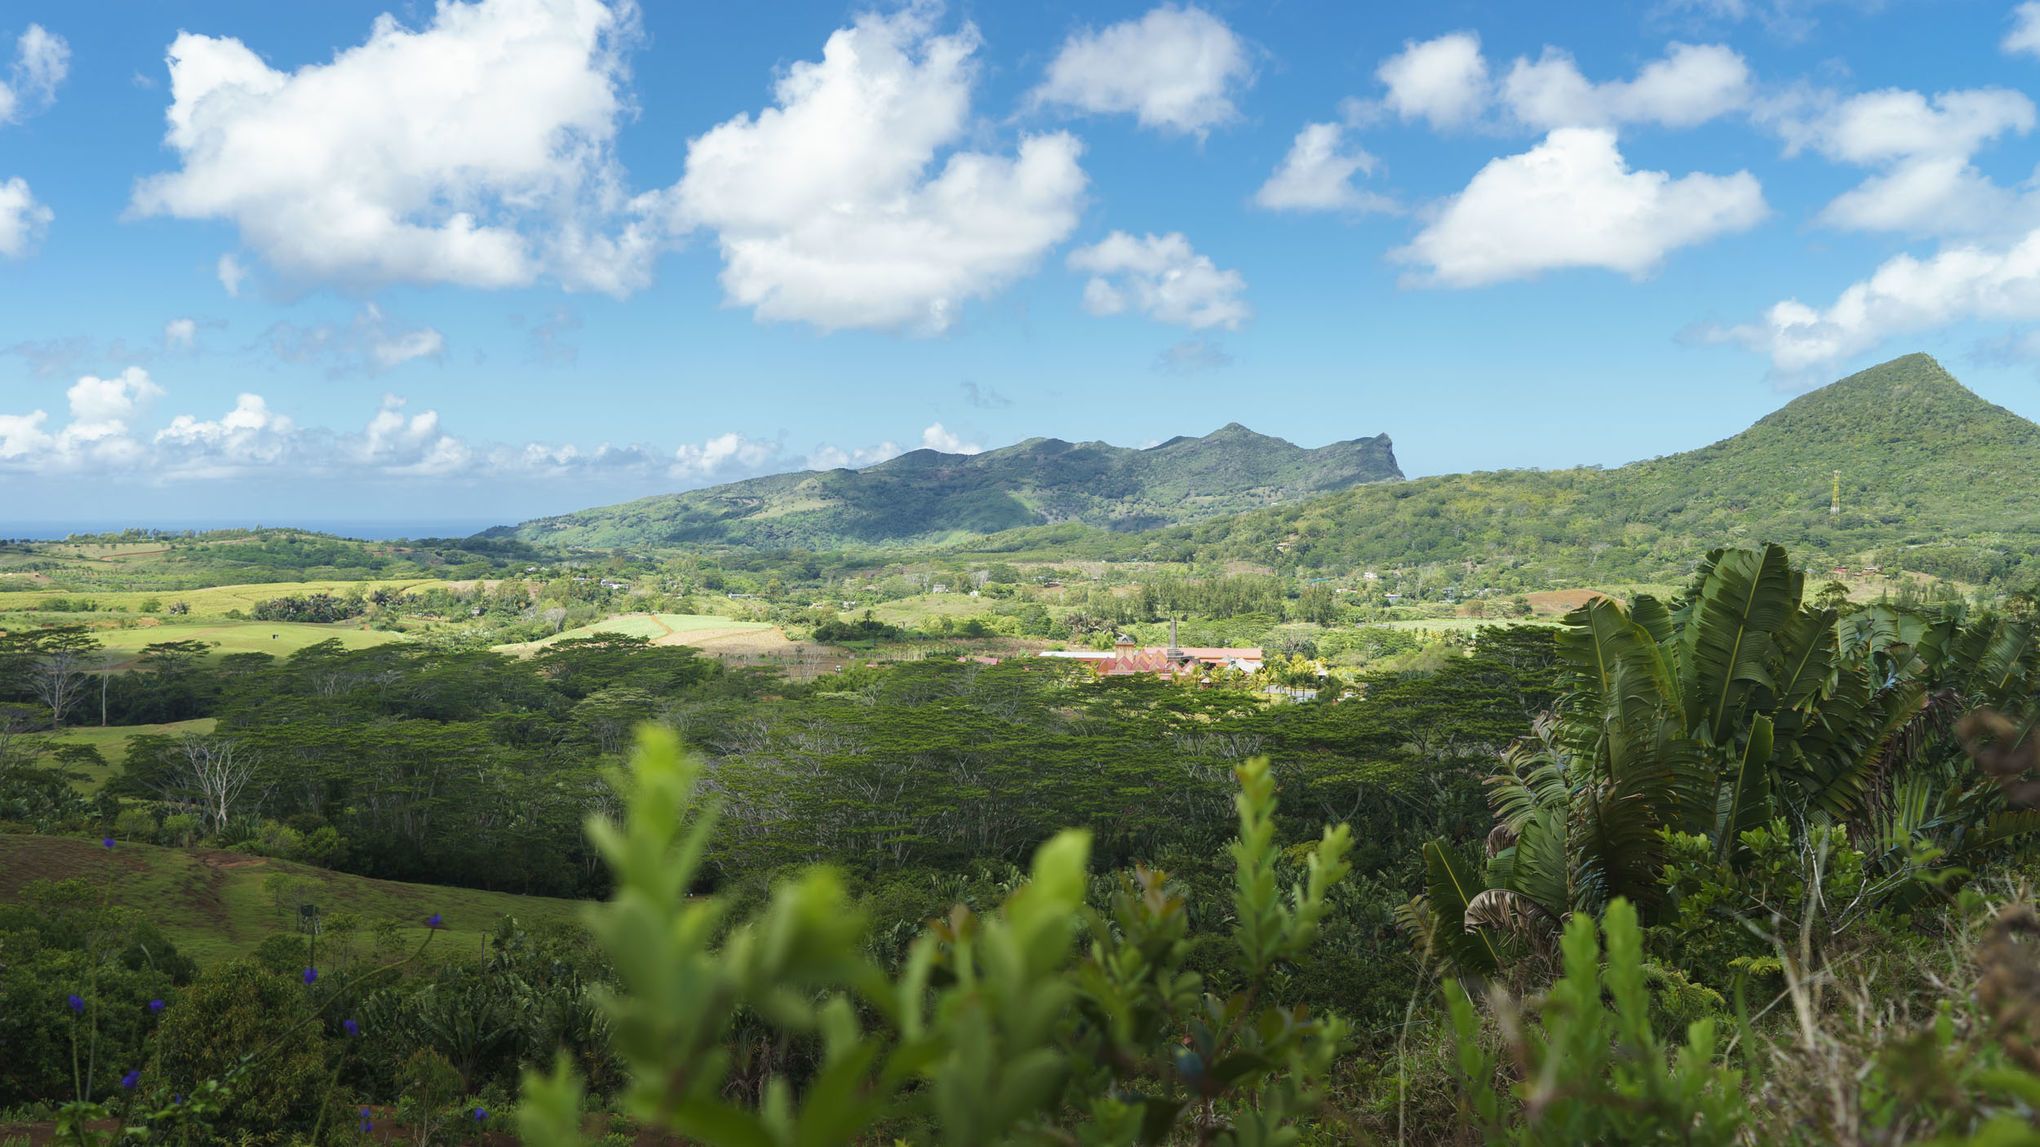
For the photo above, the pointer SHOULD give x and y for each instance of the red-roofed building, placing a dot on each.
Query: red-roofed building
(1176, 661)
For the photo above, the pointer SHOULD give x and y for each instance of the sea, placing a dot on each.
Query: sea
(58, 530)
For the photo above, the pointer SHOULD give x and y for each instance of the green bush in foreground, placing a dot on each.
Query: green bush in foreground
(1043, 1021)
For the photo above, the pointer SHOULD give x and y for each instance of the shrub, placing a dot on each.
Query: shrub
(135, 824)
(1585, 1071)
(254, 1029)
(179, 829)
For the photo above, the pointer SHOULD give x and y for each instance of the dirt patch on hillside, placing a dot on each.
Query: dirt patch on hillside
(1558, 602)
(26, 859)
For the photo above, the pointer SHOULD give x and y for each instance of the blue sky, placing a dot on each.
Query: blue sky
(496, 259)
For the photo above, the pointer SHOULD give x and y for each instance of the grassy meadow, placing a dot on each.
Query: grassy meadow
(112, 742)
(213, 601)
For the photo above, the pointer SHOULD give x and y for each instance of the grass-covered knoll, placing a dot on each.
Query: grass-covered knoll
(926, 495)
(1933, 479)
(215, 904)
(112, 741)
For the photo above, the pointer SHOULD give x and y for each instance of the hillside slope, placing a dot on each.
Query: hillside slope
(929, 496)
(1933, 478)
(214, 904)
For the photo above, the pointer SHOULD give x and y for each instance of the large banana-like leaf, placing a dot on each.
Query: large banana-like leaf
(1613, 831)
(2006, 665)
(1807, 647)
(1540, 866)
(1653, 616)
(1533, 777)
(1450, 889)
(1513, 914)
(1617, 668)
(1746, 793)
(2014, 824)
(1742, 600)
(1844, 751)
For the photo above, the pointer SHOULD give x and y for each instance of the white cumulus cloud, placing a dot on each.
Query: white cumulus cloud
(22, 219)
(475, 150)
(180, 333)
(828, 457)
(231, 274)
(940, 437)
(1448, 83)
(1162, 277)
(1317, 175)
(1177, 68)
(1573, 201)
(2024, 38)
(103, 438)
(1906, 294)
(1443, 81)
(41, 61)
(725, 455)
(249, 436)
(831, 208)
(1922, 150)
(1692, 84)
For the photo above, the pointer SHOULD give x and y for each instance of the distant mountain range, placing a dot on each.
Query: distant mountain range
(1932, 478)
(928, 497)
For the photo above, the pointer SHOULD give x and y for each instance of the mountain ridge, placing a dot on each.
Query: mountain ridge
(928, 496)
(1933, 476)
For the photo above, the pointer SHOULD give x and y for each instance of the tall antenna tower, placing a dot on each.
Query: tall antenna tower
(1835, 504)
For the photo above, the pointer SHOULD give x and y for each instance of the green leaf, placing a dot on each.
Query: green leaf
(1450, 889)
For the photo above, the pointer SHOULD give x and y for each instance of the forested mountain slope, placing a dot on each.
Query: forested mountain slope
(929, 496)
(1933, 478)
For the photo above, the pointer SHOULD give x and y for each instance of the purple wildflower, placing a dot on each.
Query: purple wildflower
(129, 1080)
(311, 975)
(106, 841)
(77, 1004)
(434, 921)
(367, 1124)
(350, 1027)
(155, 1005)
(481, 1113)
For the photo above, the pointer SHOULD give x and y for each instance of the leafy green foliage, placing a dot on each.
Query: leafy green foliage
(995, 1029)
(1586, 1064)
(243, 1015)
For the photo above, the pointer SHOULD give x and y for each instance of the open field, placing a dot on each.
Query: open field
(214, 601)
(111, 741)
(281, 638)
(215, 905)
(701, 630)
